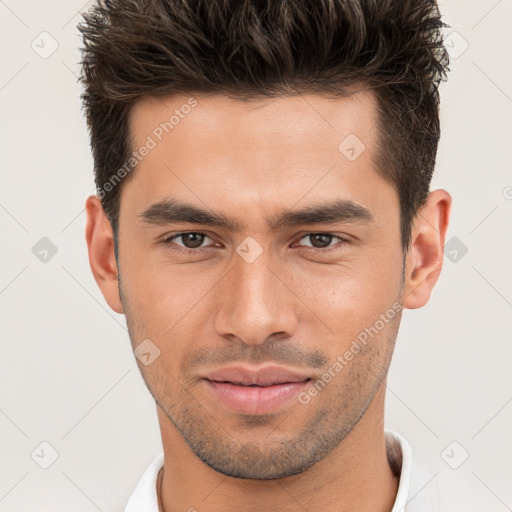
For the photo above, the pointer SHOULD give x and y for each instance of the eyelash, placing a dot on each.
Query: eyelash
(168, 241)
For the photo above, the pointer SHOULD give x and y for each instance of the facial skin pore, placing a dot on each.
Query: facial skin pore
(299, 304)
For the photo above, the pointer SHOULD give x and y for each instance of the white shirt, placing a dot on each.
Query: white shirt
(420, 489)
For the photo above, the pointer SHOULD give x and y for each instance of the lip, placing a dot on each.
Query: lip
(255, 390)
(263, 376)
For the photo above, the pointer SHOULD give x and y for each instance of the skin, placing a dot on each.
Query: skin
(294, 305)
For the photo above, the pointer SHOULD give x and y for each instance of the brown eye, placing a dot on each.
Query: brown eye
(319, 240)
(192, 240)
(188, 240)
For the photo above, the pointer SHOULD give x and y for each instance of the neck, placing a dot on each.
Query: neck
(356, 475)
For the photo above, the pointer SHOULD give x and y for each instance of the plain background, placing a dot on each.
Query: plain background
(67, 373)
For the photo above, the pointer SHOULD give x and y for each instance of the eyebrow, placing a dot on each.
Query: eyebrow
(171, 211)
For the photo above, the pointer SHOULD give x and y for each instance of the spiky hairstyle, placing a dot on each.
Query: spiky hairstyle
(250, 49)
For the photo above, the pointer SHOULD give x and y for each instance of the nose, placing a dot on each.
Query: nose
(254, 304)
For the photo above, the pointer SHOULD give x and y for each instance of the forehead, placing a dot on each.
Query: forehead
(280, 123)
(254, 155)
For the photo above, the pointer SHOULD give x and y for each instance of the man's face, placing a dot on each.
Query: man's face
(259, 288)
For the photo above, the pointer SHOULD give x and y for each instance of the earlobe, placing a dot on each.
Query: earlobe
(424, 259)
(100, 243)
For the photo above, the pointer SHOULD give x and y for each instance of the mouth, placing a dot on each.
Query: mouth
(256, 385)
(255, 391)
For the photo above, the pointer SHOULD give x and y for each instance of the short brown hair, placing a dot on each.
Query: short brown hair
(248, 49)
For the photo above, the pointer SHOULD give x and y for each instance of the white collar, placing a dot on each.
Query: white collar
(405, 472)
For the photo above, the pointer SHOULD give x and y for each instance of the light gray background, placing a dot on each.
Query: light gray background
(68, 376)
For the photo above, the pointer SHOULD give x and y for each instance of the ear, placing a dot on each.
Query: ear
(100, 243)
(424, 258)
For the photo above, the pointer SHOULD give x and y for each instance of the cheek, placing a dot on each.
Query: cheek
(350, 297)
(166, 298)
